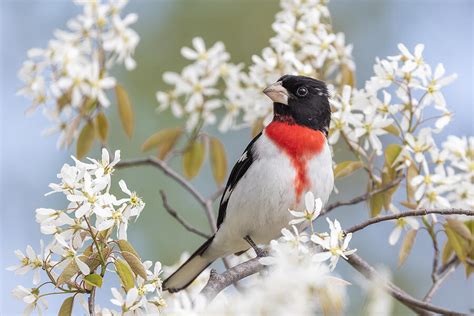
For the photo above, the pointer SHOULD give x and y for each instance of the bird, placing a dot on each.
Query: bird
(290, 157)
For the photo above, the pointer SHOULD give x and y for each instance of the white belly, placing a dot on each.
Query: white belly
(258, 206)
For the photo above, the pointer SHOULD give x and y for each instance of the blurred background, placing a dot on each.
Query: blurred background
(29, 162)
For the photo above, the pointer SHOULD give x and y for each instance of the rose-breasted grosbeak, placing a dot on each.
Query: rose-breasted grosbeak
(289, 157)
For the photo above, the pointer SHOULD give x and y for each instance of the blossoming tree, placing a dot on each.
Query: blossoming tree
(387, 124)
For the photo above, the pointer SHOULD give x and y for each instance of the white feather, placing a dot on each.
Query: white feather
(259, 203)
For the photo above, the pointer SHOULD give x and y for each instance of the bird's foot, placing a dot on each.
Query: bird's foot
(259, 251)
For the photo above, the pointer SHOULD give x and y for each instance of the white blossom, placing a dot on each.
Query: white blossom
(401, 224)
(334, 246)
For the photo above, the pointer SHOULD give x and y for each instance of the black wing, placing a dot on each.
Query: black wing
(236, 174)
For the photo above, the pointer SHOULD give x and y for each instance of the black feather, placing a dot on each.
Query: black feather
(239, 170)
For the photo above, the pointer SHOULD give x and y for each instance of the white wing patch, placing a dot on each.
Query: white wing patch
(243, 157)
(227, 194)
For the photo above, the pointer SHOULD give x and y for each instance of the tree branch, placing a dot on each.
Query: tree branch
(379, 219)
(446, 266)
(180, 220)
(363, 197)
(435, 265)
(91, 302)
(218, 282)
(440, 278)
(217, 194)
(369, 272)
(163, 166)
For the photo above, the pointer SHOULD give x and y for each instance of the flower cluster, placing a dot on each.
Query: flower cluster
(70, 78)
(195, 94)
(402, 98)
(398, 99)
(84, 242)
(86, 186)
(444, 177)
(304, 44)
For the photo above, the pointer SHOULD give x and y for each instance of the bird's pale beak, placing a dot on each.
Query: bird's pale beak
(277, 93)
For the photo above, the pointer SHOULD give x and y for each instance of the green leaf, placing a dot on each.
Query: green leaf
(409, 205)
(218, 160)
(69, 271)
(125, 110)
(460, 228)
(376, 201)
(456, 243)
(470, 225)
(85, 140)
(447, 252)
(93, 279)
(193, 159)
(387, 179)
(166, 137)
(88, 251)
(64, 99)
(406, 246)
(104, 235)
(411, 172)
(392, 129)
(348, 76)
(135, 264)
(125, 274)
(376, 204)
(102, 127)
(66, 307)
(346, 168)
(126, 246)
(392, 152)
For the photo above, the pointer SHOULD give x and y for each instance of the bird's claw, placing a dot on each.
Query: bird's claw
(261, 252)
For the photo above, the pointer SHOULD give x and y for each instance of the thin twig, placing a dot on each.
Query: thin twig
(435, 265)
(448, 264)
(217, 194)
(160, 164)
(369, 272)
(180, 220)
(440, 278)
(363, 197)
(470, 262)
(406, 214)
(91, 302)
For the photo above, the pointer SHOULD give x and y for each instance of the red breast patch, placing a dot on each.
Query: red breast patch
(300, 144)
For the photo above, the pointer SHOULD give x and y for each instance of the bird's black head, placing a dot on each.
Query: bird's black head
(301, 100)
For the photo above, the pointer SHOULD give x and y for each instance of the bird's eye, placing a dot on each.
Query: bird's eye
(302, 91)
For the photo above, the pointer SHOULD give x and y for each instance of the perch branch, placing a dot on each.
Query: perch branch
(180, 220)
(422, 212)
(363, 197)
(218, 282)
(160, 164)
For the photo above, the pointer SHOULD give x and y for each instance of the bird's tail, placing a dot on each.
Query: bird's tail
(189, 270)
